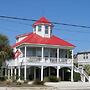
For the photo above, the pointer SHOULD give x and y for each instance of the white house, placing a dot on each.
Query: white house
(83, 58)
(40, 54)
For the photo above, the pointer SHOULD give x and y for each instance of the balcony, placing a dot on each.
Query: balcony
(49, 60)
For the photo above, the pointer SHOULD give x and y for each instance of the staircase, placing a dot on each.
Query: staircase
(83, 74)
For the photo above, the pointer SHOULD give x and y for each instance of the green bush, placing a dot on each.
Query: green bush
(3, 78)
(54, 79)
(38, 82)
(77, 77)
(18, 83)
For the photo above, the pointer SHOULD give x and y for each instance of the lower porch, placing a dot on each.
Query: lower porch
(40, 72)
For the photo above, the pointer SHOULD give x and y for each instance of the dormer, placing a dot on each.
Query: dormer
(43, 27)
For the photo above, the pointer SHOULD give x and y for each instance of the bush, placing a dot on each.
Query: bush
(2, 78)
(46, 79)
(19, 82)
(8, 81)
(38, 82)
(77, 77)
(54, 79)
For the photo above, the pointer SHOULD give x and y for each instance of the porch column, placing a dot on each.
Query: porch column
(8, 73)
(57, 54)
(67, 53)
(42, 54)
(25, 71)
(57, 71)
(19, 72)
(41, 73)
(72, 68)
(49, 54)
(15, 73)
(34, 73)
(5, 72)
(11, 72)
(25, 52)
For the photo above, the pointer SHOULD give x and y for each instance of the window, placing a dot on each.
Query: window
(23, 50)
(83, 56)
(35, 28)
(86, 56)
(46, 29)
(39, 28)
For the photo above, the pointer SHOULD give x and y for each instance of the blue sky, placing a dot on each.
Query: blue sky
(64, 11)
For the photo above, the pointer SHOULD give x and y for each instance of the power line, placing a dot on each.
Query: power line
(58, 29)
(65, 24)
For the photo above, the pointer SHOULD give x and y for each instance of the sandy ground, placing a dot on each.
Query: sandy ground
(54, 86)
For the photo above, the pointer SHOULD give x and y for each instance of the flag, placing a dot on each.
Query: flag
(16, 54)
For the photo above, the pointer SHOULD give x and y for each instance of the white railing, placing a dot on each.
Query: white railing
(34, 59)
(82, 72)
(49, 60)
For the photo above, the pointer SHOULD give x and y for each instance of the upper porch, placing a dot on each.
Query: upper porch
(44, 55)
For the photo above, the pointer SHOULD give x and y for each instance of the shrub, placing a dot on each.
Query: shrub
(46, 79)
(77, 77)
(25, 81)
(19, 82)
(38, 82)
(2, 78)
(8, 81)
(54, 79)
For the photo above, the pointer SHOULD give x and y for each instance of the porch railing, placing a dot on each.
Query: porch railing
(49, 60)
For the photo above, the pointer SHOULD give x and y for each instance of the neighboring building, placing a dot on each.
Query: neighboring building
(83, 58)
(40, 54)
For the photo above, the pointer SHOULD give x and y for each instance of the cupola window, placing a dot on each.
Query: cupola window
(39, 28)
(35, 28)
(46, 29)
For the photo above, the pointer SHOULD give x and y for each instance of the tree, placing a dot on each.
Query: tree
(6, 52)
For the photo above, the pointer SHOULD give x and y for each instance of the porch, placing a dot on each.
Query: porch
(45, 54)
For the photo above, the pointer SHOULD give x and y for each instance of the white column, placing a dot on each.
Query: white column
(11, 72)
(57, 54)
(15, 73)
(25, 52)
(34, 73)
(57, 71)
(72, 68)
(42, 54)
(8, 73)
(25, 64)
(49, 55)
(19, 72)
(25, 72)
(41, 73)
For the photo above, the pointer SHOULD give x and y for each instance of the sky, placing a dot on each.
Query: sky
(63, 11)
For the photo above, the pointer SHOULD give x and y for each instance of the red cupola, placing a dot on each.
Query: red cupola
(44, 21)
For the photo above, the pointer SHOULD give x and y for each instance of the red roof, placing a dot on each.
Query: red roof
(22, 35)
(42, 20)
(33, 38)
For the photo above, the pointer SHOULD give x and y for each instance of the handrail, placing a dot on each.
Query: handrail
(50, 60)
(82, 72)
(86, 74)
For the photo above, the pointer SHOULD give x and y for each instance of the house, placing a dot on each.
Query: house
(83, 58)
(41, 54)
